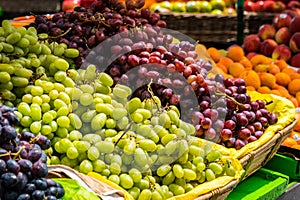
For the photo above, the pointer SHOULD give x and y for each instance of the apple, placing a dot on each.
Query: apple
(296, 10)
(205, 7)
(293, 4)
(266, 31)
(178, 6)
(281, 20)
(295, 24)
(278, 7)
(248, 5)
(69, 5)
(218, 4)
(267, 47)
(282, 52)
(295, 42)
(283, 35)
(268, 6)
(216, 12)
(258, 6)
(290, 12)
(251, 43)
(295, 61)
(192, 6)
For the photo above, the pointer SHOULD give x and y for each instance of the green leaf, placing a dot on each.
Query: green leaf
(74, 191)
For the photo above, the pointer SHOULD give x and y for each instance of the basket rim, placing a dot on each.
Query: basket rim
(265, 151)
(218, 191)
(279, 134)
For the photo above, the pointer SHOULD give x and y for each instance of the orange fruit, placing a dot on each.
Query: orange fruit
(235, 52)
(297, 126)
(289, 142)
(251, 78)
(260, 59)
(222, 67)
(297, 96)
(296, 146)
(276, 92)
(235, 69)
(288, 71)
(214, 54)
(293, 100)
(281, 64)
(283, 91)
(226, 61)
(246, 63)
(264, 90)
(273, 69)
(295, 76)
(267, 79)
(250, 88)
(294, 86)
(282, 78)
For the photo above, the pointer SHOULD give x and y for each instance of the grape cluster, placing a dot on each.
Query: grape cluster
(94, 127)
(179, 77)
(244, 120)
(84, 28)
(23, 166)
(22, 55)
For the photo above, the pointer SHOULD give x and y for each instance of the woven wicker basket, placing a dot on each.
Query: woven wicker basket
(203, 27)
(101, 189)
(254, 20)
(105, 191)
(254, 160)
(219, 193)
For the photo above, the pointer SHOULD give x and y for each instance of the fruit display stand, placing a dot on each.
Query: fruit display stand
(291, 162)
(264, 184)
(204, 28)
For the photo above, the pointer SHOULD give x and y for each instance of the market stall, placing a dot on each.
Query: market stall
(150, 100)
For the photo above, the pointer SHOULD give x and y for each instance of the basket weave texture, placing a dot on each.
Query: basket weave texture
(203, 27)
(254, 20)
(256, 159)
(27, 6)
(219, 193)
(222, 28)
(101, 189)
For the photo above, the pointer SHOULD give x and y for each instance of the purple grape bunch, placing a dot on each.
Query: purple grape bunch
(23, 167)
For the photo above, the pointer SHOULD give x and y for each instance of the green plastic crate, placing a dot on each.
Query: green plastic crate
(285, 164)
(262, 185)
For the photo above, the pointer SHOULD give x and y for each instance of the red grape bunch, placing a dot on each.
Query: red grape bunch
(84, 28)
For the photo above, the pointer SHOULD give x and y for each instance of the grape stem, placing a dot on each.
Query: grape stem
(149, 89)
(229, 97)
(127, 129)
(55, 37)
(18, 153)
